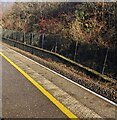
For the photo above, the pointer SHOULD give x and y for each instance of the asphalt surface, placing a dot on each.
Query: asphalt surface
(23, 100)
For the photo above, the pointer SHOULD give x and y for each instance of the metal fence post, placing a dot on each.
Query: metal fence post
(104, 65)
(42, 40)
(15, 36)
(75, 50)
(31, 38)
(56, 47)
(23, 37)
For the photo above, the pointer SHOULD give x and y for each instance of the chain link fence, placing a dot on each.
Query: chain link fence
(98, 58)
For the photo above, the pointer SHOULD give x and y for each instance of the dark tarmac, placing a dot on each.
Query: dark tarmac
(23, 100)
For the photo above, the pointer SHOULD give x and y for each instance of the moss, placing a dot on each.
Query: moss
(84, 68)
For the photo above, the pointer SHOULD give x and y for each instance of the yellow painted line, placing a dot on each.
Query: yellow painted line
(46, 93)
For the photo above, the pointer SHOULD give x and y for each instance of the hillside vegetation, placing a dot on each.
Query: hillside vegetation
(87, 22)
(84, 32)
